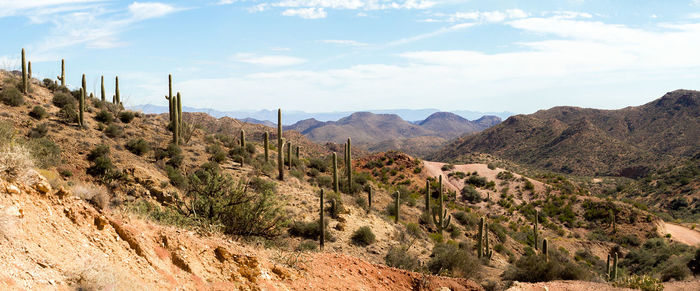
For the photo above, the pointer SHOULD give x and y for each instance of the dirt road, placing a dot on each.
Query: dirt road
(680, 233)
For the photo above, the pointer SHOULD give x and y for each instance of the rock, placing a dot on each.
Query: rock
(43, 187)
(179, 261)
(100, 222)
(12, 189)
(222, 254)
(340, 226)
(61, 192)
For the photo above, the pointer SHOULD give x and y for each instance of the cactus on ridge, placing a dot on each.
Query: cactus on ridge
(266, 145)
(397, 205)
(81, 106)
(336, 188)
(242, 138)
(24, 74)
(102, 88)
(480, 239)
(280, 146)
(440, 216)
(321, 225)
(62, 77)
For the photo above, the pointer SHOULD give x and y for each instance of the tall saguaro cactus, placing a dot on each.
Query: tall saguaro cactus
(349, 165)
(607, 267)
(289, 155)
(488, 252)
(175, 124)
(63, 73)
(266, 144)
(545, 249)
(427, 196)
(84, 84)
(321, 225)
(280, 146)
(242, 138)
(397, 205)
(336, 188)
(29, 72)
(102, 88)
(480, 239)
(613, 272)
(117, 98)
(24, 74)
(369, 200)
(440, 217)
(534, 228)
(81, 105)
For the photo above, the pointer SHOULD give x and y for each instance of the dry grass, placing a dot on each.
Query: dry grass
(97, 195)
(15, 160)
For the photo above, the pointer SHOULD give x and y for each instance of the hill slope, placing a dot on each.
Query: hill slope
(592, 141)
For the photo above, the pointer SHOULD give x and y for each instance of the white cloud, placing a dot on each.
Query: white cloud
(20, 7)
(268, 60)
(440, 31)
(575, 62)
(146, 10)
(306, 13)
(344, 42)
(313, 9)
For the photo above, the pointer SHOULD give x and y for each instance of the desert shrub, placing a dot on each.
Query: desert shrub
(476, 181)
(361, 202)
(308, 230)
(336, 201)
(470, 194)
(138, 146)
(529, 186)
(694, 264)
(126, 116)
(261, 185)
(676, 270)
(324, 181)
(414, 230)
(174, 153)
(363, 236)
(399, 257)
(505, 175)
(319, 164)
(644, 283)
(68, 113)
(39, 131)
(96, 195)
(164, 215)
(11, 96)
(466, 219)
(104, 116)
(101, 164)
(113, 130)
(48, 83)
(62, 99)
(307, 245)
(236, 153)
(14, 161)
(45, 152)
(38, 113)
(176, 178)
(447, 258)
(263, 215)
(657, 256)
(534, 268)
(447, 167)
(218, 155)
(491, 166)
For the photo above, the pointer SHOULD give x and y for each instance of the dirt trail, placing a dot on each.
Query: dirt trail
(680, 233)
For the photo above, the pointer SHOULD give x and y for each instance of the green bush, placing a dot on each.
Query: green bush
(363, 236)
(38, 113)
(113, 130)
(644, 283)
(470, 194)
(261, 185)
(39, 131)
(448, 259)
(505, 175)
(414, 230)
(126, 116)
(177, 179)
(466, 219)
(68, 113)
(534, 268)
(657, 256)
(62, 99)
(398, 257)
(45, 153)
(104, 116)
(138, 146)
(476, 181)
(101, 164)
(308, 230)
(307, 245)
(447, 167)
(11, 96)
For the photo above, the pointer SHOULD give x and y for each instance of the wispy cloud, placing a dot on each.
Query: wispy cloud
(268, 60)
(306, 13)
(344, 42)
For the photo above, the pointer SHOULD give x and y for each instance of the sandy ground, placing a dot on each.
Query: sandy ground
(680, 233)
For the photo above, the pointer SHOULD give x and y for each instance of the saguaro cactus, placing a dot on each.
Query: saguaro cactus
(397, 205)
(81, 105)
(480, 239)
(117, 99)
(488, 252)
(179, 111)
(336, 188)
(84, 84)
(297, 153)
(427, 196)
(613, 273)
(289, 154)
(242, 138)
(280, 146)
(102, 88)
(266, 145)
(369, 200)
(63, 73)
(321, 225)
(545, 249)
(175, 125)
(349, 166)
(534, 228)
(607, 267)
(24, 74)
(171, 101)
(440, 217)
(29, 72)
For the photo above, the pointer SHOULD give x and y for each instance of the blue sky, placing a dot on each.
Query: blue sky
(338, 55)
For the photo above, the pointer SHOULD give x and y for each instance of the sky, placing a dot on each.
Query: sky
(351, 55)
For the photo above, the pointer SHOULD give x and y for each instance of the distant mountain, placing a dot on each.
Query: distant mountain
(291, 117)
(380, 132)
(255, 121)
(586, 141)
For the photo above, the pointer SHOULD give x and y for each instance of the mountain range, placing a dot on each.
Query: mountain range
(269, 117)
(584, 141)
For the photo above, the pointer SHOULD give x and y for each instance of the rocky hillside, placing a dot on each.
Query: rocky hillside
(585, 141)
(382, 132)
